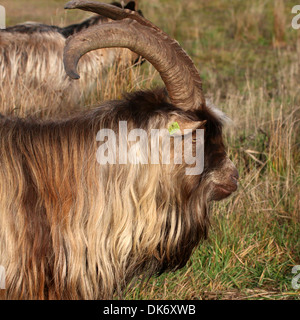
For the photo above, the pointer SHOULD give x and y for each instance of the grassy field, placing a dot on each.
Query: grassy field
(249, 58)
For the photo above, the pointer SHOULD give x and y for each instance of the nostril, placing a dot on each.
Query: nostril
(235, 176)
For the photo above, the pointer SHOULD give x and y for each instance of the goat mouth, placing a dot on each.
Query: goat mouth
(222, 191)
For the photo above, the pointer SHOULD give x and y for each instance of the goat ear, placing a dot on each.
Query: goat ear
(177, 126)
(130, 5)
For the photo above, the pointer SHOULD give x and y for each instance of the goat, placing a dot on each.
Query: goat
(71, 228)
(31, 61)
(35, 27)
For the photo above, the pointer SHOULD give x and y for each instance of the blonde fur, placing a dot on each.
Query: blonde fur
(33, 79)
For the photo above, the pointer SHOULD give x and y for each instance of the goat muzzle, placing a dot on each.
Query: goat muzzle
(226, 185)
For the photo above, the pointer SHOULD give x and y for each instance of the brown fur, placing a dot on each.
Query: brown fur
(73, 229)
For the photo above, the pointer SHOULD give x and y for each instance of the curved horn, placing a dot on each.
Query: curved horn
(176, 69)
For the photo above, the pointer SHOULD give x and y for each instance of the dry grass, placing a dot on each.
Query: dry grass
(248, 56)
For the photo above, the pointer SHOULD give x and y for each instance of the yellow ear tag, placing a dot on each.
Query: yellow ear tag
(174, 127)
